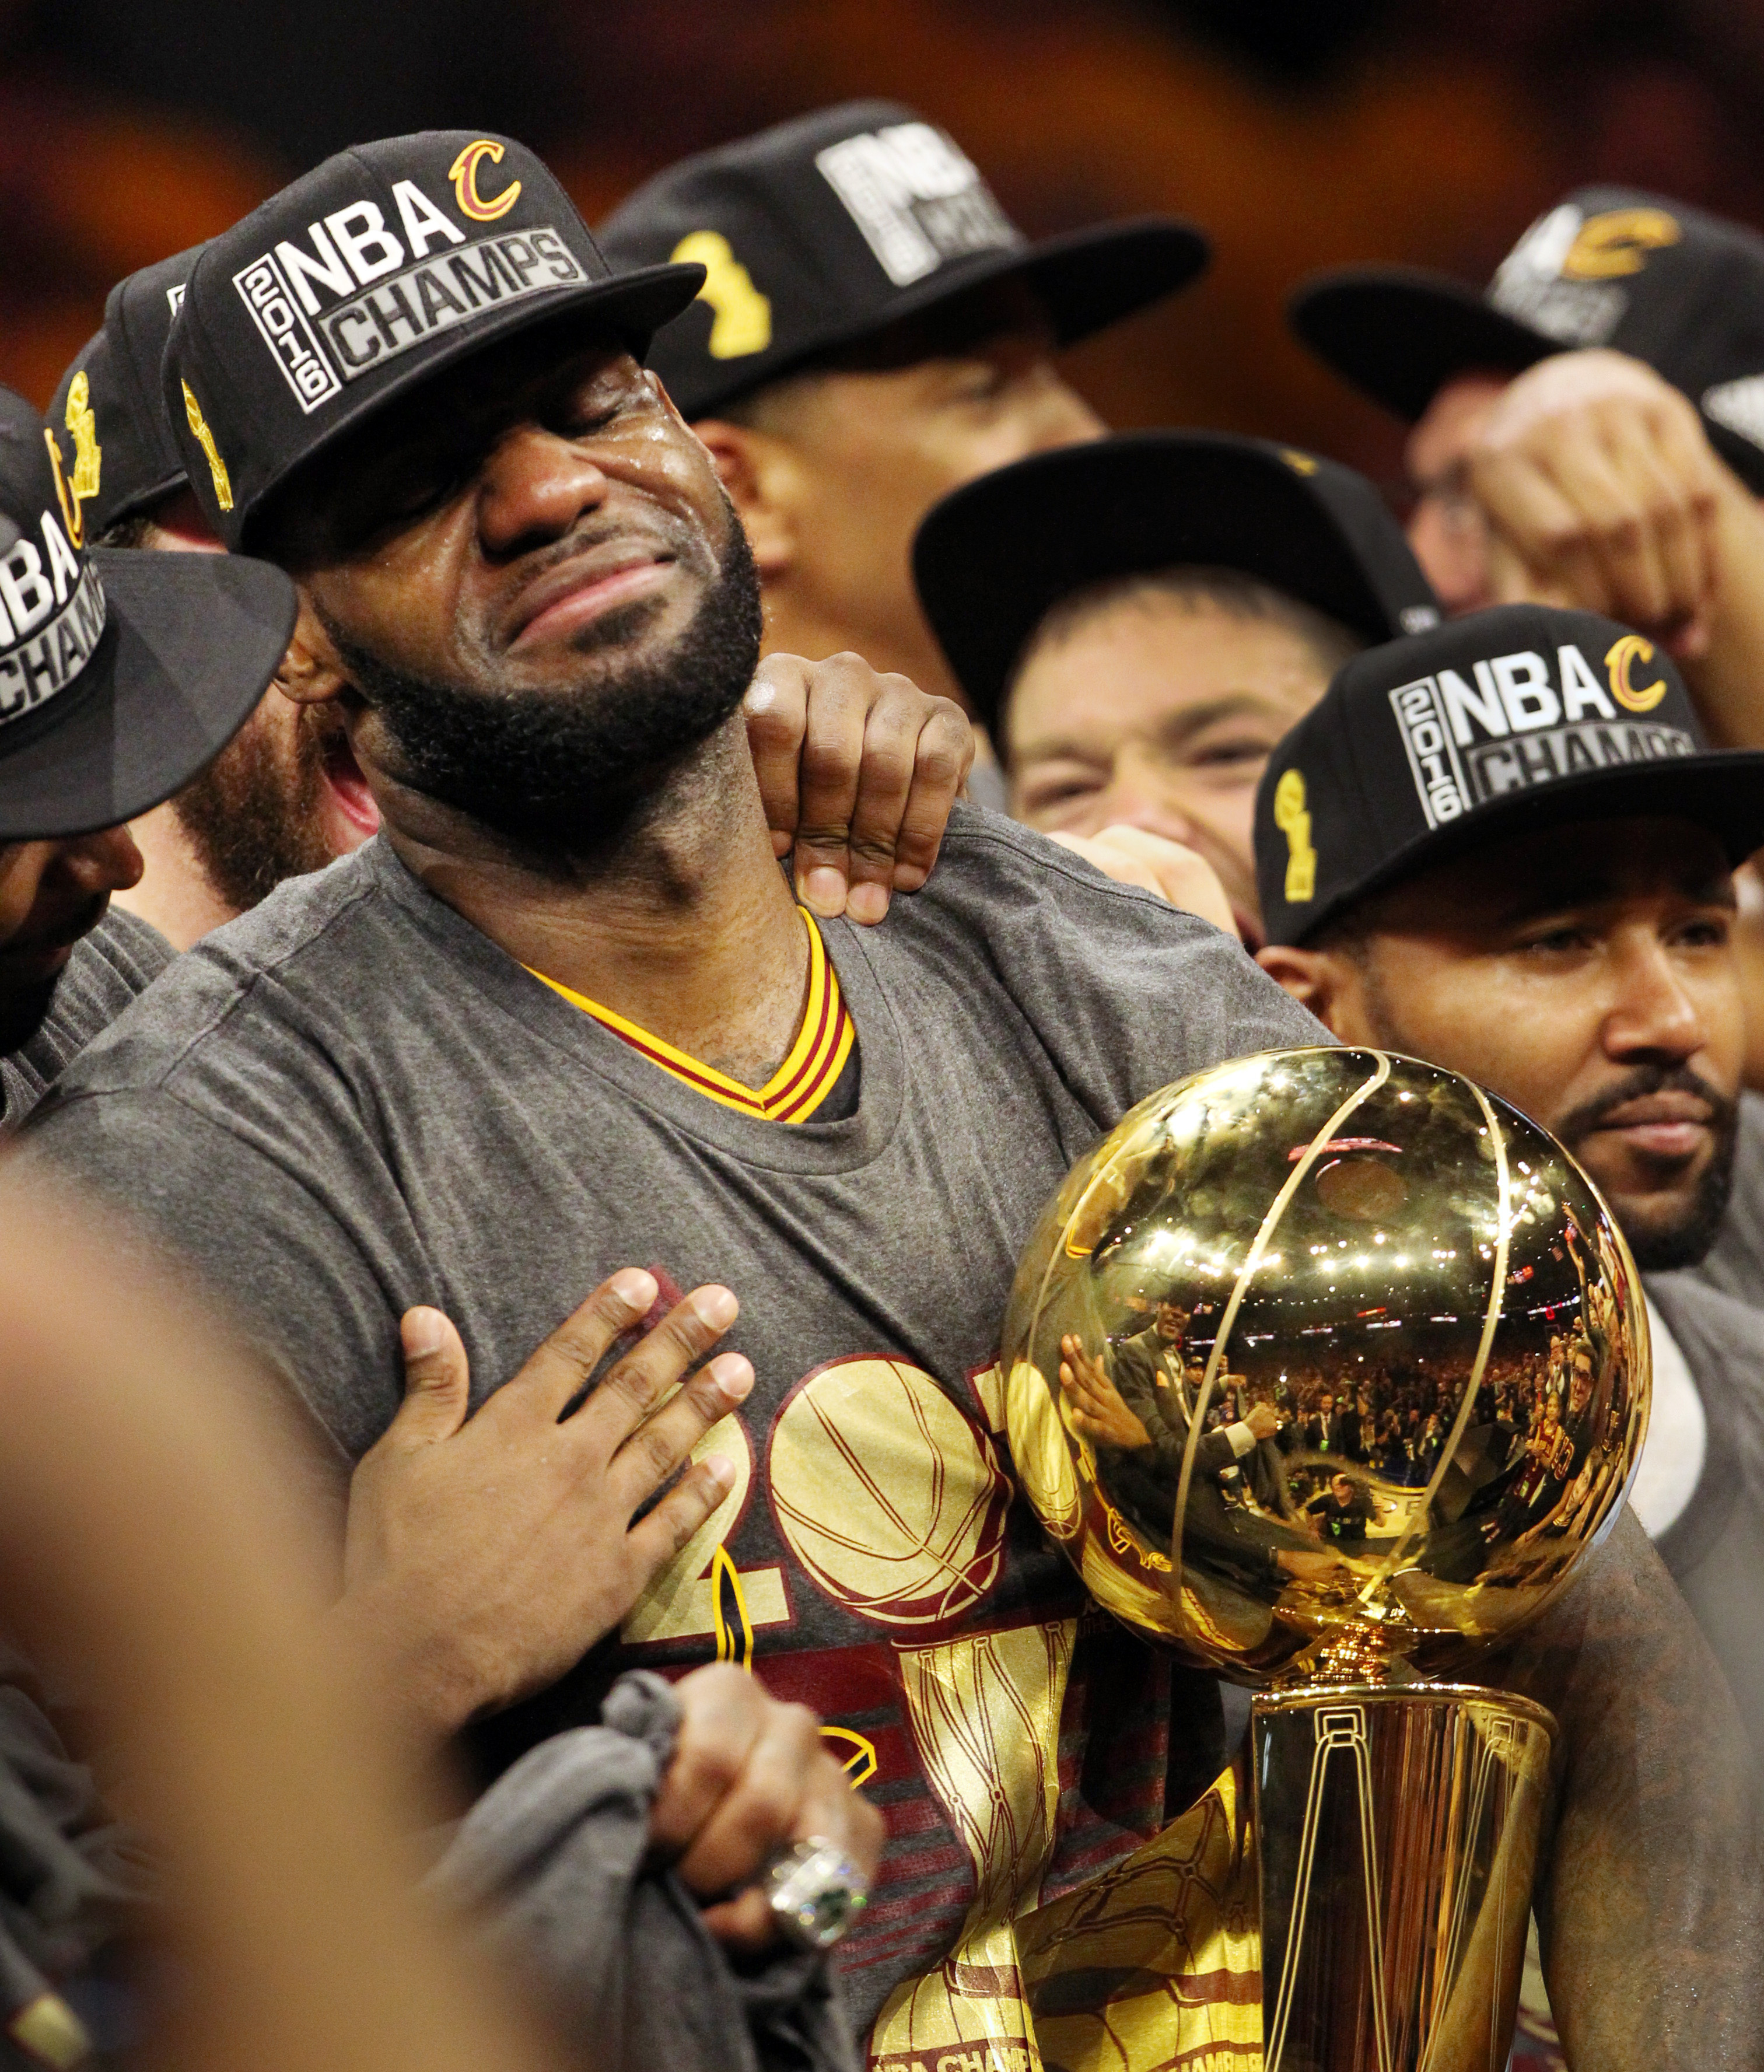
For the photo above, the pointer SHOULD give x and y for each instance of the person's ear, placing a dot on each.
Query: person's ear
(761, 476)
(312, 672)
(1323, 981)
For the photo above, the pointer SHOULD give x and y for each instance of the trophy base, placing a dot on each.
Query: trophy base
(1398, 1830)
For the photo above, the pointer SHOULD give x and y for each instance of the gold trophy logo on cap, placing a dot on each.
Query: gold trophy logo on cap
(1326, 1368)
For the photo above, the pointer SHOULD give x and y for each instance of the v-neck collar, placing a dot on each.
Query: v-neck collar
(842, 1146)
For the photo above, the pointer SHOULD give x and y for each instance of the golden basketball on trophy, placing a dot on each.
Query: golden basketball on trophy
(1325, 1367)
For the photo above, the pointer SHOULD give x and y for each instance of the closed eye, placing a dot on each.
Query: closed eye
(1046, 794)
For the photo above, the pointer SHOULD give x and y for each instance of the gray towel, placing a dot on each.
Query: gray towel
(70, 1881)
(552, 1859)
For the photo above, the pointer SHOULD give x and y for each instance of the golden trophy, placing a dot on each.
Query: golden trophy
(1325, 1368)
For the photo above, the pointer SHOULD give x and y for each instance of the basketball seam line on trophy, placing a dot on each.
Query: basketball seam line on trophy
(1258, 1248)
(1492, 1316)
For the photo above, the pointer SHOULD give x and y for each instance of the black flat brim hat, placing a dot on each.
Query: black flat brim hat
(1502, 724)
(1671, 286)
(116, 417)
(363, 281)
(1721, 792)
(994, 556)
(1399, 334)
(826, 232)
(631, 308)
(1087, 280)
(1083, 280)
(190, 643)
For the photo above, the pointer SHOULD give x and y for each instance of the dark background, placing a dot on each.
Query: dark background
(1301, 132)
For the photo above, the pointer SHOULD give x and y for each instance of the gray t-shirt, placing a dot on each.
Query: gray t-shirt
(1715, 1548)
(351, 1101)
(1735, 1262)
(109, 967)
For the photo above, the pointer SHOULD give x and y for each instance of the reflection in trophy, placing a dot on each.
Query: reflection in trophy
(1324, 1367)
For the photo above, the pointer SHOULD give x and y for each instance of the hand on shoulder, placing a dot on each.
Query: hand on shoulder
(1132, 856)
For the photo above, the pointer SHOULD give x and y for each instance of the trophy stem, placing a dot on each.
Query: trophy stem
(1398, 1830)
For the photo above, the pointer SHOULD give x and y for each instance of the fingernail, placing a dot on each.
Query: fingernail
(636, 1289)
(716, 1307)
(733, 1376)
(867, 902)
(824, 889)
(421, 1333)
(720, 1470)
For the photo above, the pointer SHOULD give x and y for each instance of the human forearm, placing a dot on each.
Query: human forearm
(1726, 680)
(1649, 1890)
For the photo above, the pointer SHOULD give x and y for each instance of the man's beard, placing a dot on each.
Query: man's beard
(1660, 1247)
(24, 1012)
(256, 814)
(1687, 1237)
(24, 1008)
(562, 772)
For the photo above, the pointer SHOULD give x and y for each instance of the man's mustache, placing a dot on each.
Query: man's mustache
(1643, 1080)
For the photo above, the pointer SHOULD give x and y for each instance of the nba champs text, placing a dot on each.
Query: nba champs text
(358, 290)
(1527, 719)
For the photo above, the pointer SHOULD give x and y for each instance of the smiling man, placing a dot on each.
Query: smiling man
(1138, 620)
(565, 1011)
(1520, 869)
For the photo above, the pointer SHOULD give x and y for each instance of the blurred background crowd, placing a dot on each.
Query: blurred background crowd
(1302, 135)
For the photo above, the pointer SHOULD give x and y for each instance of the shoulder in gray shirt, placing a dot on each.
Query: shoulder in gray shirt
(108, 969)
(1735, 1263)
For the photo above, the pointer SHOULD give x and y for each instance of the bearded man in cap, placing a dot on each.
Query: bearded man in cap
(1516, 851)
(1138, 620)
(873, 330)
(1590, 432)
(870, 764)
(123, 676)
(117, 683)
(564, 1009)
(1514, 862)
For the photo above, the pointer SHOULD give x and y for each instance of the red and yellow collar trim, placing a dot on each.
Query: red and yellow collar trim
(799, 1086)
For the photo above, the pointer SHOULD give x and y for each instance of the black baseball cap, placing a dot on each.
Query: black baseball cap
(995, 556)
(1666, 283)
(1501, 723)
(820, 232)
(363, 280)
(121, 674)
(114, 445)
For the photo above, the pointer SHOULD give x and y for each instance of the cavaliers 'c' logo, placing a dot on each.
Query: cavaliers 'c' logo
(1623, 656)
(1617, 242)
(463, 173)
